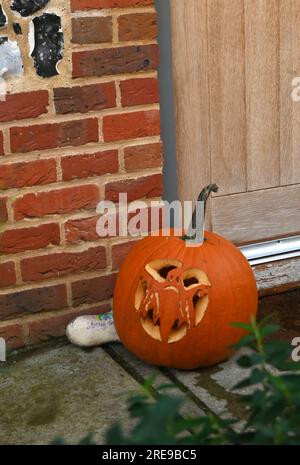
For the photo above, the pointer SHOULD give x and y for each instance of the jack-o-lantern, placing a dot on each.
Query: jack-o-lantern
(174, 304)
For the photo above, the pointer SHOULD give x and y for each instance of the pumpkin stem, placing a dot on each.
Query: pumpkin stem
(203, 197)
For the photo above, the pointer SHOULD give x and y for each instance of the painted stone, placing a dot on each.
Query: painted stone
(11, 63)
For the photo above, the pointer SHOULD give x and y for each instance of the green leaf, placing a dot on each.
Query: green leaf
(247, 327)
(115, 437)
(269, 329)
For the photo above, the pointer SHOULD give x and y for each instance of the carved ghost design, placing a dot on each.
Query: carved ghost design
(171, 300)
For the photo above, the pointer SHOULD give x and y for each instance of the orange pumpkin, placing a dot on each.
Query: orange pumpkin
(174, 304)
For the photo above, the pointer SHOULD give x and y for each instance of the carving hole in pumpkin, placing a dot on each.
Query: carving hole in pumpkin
(140, 294)
(150, 327)
(160, 268)
(200, 306)
(177, 332)
(192, 277)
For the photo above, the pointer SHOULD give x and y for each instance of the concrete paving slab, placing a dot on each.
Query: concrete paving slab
(189, 408)
(210, 387)
(63, 391)
(214, 387)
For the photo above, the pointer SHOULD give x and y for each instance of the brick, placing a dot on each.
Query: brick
(62, 264)
(19, 240)
(92, 30)
(84, 229)
(81, 230)
(50, 136)
(84, 99)
(131, 125)
(13, 336)
(1, 143)
(89, 165)
(138, 26)
(93, 290)
(140, 157)
(139, 91)
(56, 202)
(7, 275)
(95, 4)
(24, 105)
(3, 210)
(115, 60)
(119, 253)
(147, 186)
(27, 174)
(42, 330)
(32, 301)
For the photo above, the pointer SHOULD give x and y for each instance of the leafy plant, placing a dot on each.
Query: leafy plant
(273, 403)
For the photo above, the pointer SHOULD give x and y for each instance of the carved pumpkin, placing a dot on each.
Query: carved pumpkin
(174, 304)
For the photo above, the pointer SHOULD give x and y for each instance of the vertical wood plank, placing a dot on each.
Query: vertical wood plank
(262, 93)
(289, 110)
(227, 94)
(190, 68)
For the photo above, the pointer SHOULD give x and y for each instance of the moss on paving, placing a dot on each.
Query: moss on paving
(61, 391)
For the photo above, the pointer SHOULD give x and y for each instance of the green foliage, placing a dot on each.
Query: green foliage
(273, 403)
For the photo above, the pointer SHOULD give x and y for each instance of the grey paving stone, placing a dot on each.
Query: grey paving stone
(214, 386)
(62, 391)
(210, 387)
(189, 407)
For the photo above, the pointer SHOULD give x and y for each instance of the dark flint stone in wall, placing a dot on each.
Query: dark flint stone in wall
(17, 28)
(28, 7)
(3, 39)
(3, 19)
(49, 44)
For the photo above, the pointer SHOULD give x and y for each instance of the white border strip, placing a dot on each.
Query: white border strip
(270, 251)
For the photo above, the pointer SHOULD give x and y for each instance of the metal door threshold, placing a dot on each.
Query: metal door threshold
(270, 251)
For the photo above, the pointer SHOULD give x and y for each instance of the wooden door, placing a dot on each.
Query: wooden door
(236, 122)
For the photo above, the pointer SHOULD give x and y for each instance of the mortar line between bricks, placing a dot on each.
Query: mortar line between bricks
(39, 316)
(121, 158)
(80, 150)
(111, 45)
(34, 86)
(118, 94)
(48, 119)
(115, 30)
(67, 248)
(100, 180)
(112, 11)
(56, 281)
(69, 294)
(6, 139)
(65, 217)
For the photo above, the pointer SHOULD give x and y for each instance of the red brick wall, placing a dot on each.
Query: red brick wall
(64, 146)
